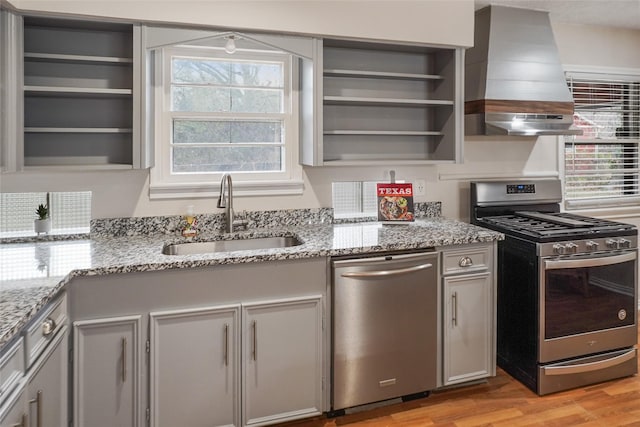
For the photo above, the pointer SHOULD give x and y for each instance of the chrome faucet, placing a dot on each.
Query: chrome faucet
(226, 201)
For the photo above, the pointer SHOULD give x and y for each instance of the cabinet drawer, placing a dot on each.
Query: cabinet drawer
(11, 368)
(40, 332)
(466, 260)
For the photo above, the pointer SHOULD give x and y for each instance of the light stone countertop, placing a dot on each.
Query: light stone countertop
(33, 273)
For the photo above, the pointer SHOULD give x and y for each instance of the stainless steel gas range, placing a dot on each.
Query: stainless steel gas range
(567, 287)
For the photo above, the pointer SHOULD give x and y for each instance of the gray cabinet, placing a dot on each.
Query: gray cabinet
(47, 385)
(107, 361)
(201, 345)
(375, 103)
(281, 360)
(194, 365)
(468, 308)
(13, 413)
(73, 94)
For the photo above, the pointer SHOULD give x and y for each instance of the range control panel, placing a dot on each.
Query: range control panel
(521, 188)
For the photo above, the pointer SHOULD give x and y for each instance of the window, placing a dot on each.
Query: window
(601, 166)
(219, 113)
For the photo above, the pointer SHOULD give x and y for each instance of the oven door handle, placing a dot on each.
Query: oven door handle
(589, 262)
(590, 366)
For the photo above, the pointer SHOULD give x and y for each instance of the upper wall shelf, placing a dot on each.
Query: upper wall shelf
(370, 103)
(381, 75)
(56, 57)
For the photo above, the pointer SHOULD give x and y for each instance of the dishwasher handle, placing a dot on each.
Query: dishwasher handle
(385, 273)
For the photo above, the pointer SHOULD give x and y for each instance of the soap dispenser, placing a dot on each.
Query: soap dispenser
(189, 228)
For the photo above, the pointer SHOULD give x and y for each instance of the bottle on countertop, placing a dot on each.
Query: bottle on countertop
(189, 228)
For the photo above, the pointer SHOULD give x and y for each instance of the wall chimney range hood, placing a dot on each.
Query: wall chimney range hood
(514, 81)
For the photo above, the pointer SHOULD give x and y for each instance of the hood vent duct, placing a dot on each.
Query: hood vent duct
(514, 81)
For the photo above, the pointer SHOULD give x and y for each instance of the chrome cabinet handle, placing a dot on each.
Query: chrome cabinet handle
(123, 372)
(48, 326)
(38, 402)
(22, 423)
(454, 303)
(255, 340)
(226, 344)
(465, 262)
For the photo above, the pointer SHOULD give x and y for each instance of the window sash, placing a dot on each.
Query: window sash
(602, 166)
(162, 177)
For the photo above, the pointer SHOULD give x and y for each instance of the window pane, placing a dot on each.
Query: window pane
(200, 99)
(257, 74)
(256, 100)
(188, 70)
(227, 131)
(223, 159)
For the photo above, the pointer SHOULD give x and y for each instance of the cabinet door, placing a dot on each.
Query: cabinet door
(13, 412)
(47, 386)
(282, 360)
(468, 324)
(194, 367)
(106, 370)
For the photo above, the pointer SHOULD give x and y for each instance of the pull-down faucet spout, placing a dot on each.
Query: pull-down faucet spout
(225, 200)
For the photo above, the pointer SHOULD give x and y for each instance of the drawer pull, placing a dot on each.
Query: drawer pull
(38, 402)
(465, 262)
(48, 326)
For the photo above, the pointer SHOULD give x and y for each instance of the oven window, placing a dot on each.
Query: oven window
(579, 300)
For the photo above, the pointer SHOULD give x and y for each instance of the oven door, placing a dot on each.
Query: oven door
(587, 304)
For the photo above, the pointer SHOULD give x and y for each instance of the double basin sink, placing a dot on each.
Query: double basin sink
(239, 244)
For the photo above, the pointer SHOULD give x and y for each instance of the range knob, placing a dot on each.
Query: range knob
(592, 246)
(571, 248)
(559, 249)
(612, 244)
(624, 243)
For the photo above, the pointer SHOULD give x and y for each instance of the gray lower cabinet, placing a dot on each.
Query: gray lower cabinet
(13, 412)
(107, 355)
(47, 385)
(209, 367)
(467, 328)
(281, 360)
(468, 314)
(194, 363)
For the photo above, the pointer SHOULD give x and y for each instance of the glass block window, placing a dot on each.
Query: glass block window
(354, 199)
(70, 212)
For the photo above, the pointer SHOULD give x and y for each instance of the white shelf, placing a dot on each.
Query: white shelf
(385, 101)
(84, 167)
(76, 91)
(380, 75)
(75, 130)
(382, 132)
(56, 57)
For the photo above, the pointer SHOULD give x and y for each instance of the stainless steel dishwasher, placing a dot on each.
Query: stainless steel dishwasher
(384, 328)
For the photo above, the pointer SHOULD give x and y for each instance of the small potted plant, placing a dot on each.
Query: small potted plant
(43, 223)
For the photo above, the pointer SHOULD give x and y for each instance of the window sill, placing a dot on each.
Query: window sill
(240, 189)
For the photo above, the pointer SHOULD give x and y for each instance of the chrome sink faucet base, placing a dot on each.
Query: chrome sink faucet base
(225, 200)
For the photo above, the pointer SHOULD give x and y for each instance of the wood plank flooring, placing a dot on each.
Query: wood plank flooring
(502, 401)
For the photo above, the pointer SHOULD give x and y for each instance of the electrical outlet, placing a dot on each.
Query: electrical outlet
(418, 187)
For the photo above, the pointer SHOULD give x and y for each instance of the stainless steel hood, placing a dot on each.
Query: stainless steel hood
(514, 81)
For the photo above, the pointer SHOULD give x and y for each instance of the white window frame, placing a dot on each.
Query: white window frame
(604, 205)
(165, 185)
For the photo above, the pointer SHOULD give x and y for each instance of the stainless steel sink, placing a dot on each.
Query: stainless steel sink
(190, 248)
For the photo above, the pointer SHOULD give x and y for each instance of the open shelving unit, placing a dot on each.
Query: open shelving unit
(379, 102)
(78, 94)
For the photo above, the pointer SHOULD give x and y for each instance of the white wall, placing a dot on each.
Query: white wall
(125, 193)
(448, 22)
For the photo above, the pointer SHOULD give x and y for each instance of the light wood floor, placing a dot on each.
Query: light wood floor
(503, 401)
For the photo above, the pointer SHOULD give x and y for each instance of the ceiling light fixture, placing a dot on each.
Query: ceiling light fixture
(230, 46)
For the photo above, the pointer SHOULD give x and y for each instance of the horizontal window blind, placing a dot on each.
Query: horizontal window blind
(601, 165)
